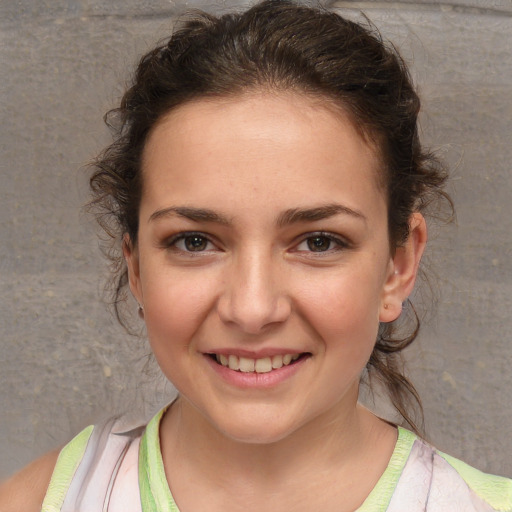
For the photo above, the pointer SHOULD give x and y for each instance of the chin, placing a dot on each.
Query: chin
(259, 437)
(262, 431)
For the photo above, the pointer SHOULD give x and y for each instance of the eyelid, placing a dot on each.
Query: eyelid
(171, 241)
(340, 241)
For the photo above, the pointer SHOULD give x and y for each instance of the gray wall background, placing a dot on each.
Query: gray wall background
(63, 360)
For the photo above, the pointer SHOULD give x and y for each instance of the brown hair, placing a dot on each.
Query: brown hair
(282, 46)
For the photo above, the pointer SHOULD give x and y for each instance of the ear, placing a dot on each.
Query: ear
(131, 256)
(403, 270)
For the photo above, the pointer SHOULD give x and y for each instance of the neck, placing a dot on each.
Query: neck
(330, 444)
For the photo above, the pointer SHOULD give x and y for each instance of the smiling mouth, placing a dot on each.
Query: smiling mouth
(262, 365)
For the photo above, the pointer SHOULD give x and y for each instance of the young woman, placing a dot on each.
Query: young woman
(267, 192)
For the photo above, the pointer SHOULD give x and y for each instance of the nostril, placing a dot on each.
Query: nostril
(251, 313)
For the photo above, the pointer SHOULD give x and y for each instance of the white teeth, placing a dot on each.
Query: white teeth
(233, 363)
(246, 365)
(277, 362)
(262, 365)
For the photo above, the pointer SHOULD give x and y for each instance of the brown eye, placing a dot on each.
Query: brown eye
(195, 243)
(319, 243)
(189, 242)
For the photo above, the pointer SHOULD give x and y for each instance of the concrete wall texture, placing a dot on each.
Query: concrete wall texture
(63, 360)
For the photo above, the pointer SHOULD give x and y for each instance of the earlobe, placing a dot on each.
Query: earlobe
(403, 269)
(131, 256)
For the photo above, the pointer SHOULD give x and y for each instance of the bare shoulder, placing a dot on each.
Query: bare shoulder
(26, 489)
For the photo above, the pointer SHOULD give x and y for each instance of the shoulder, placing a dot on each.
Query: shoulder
(26, 489)
(446, 483)
(88, 466)
(493, 490)
(46, 483)
(29, 489)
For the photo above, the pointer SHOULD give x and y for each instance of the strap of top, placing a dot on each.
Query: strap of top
(380, 497)
(65, 469)
(87, 468)
(495, 490)
(155, 494)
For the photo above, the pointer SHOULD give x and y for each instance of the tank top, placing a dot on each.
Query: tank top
(107, 468)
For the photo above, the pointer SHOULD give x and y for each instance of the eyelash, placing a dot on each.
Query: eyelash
(171, 243)
(339, 243)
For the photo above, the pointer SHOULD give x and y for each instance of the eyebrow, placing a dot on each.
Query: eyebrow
(291, 216)
(195, 214)
(295, 215)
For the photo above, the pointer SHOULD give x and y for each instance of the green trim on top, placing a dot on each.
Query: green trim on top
(67, 464)
(155, 495)
(494, 490)
(378, 500)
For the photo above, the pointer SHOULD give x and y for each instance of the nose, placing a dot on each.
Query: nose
(253, 298)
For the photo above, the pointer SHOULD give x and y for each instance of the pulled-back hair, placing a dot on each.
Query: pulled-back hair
(280, 46)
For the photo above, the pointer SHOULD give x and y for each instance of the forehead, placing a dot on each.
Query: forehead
(279, 144)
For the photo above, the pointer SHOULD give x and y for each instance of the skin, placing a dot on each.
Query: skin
(283, 197)
(25, 490)
(224, 264)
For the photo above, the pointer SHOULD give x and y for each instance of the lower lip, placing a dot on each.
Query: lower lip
(256, 380)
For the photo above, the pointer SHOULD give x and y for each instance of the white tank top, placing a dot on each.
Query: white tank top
(110, 469)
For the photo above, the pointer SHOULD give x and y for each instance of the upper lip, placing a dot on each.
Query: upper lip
(254, 354)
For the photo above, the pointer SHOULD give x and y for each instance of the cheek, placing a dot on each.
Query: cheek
(344, 312)
(175, 308)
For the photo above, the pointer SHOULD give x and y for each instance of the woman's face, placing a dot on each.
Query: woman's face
(262, 261)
